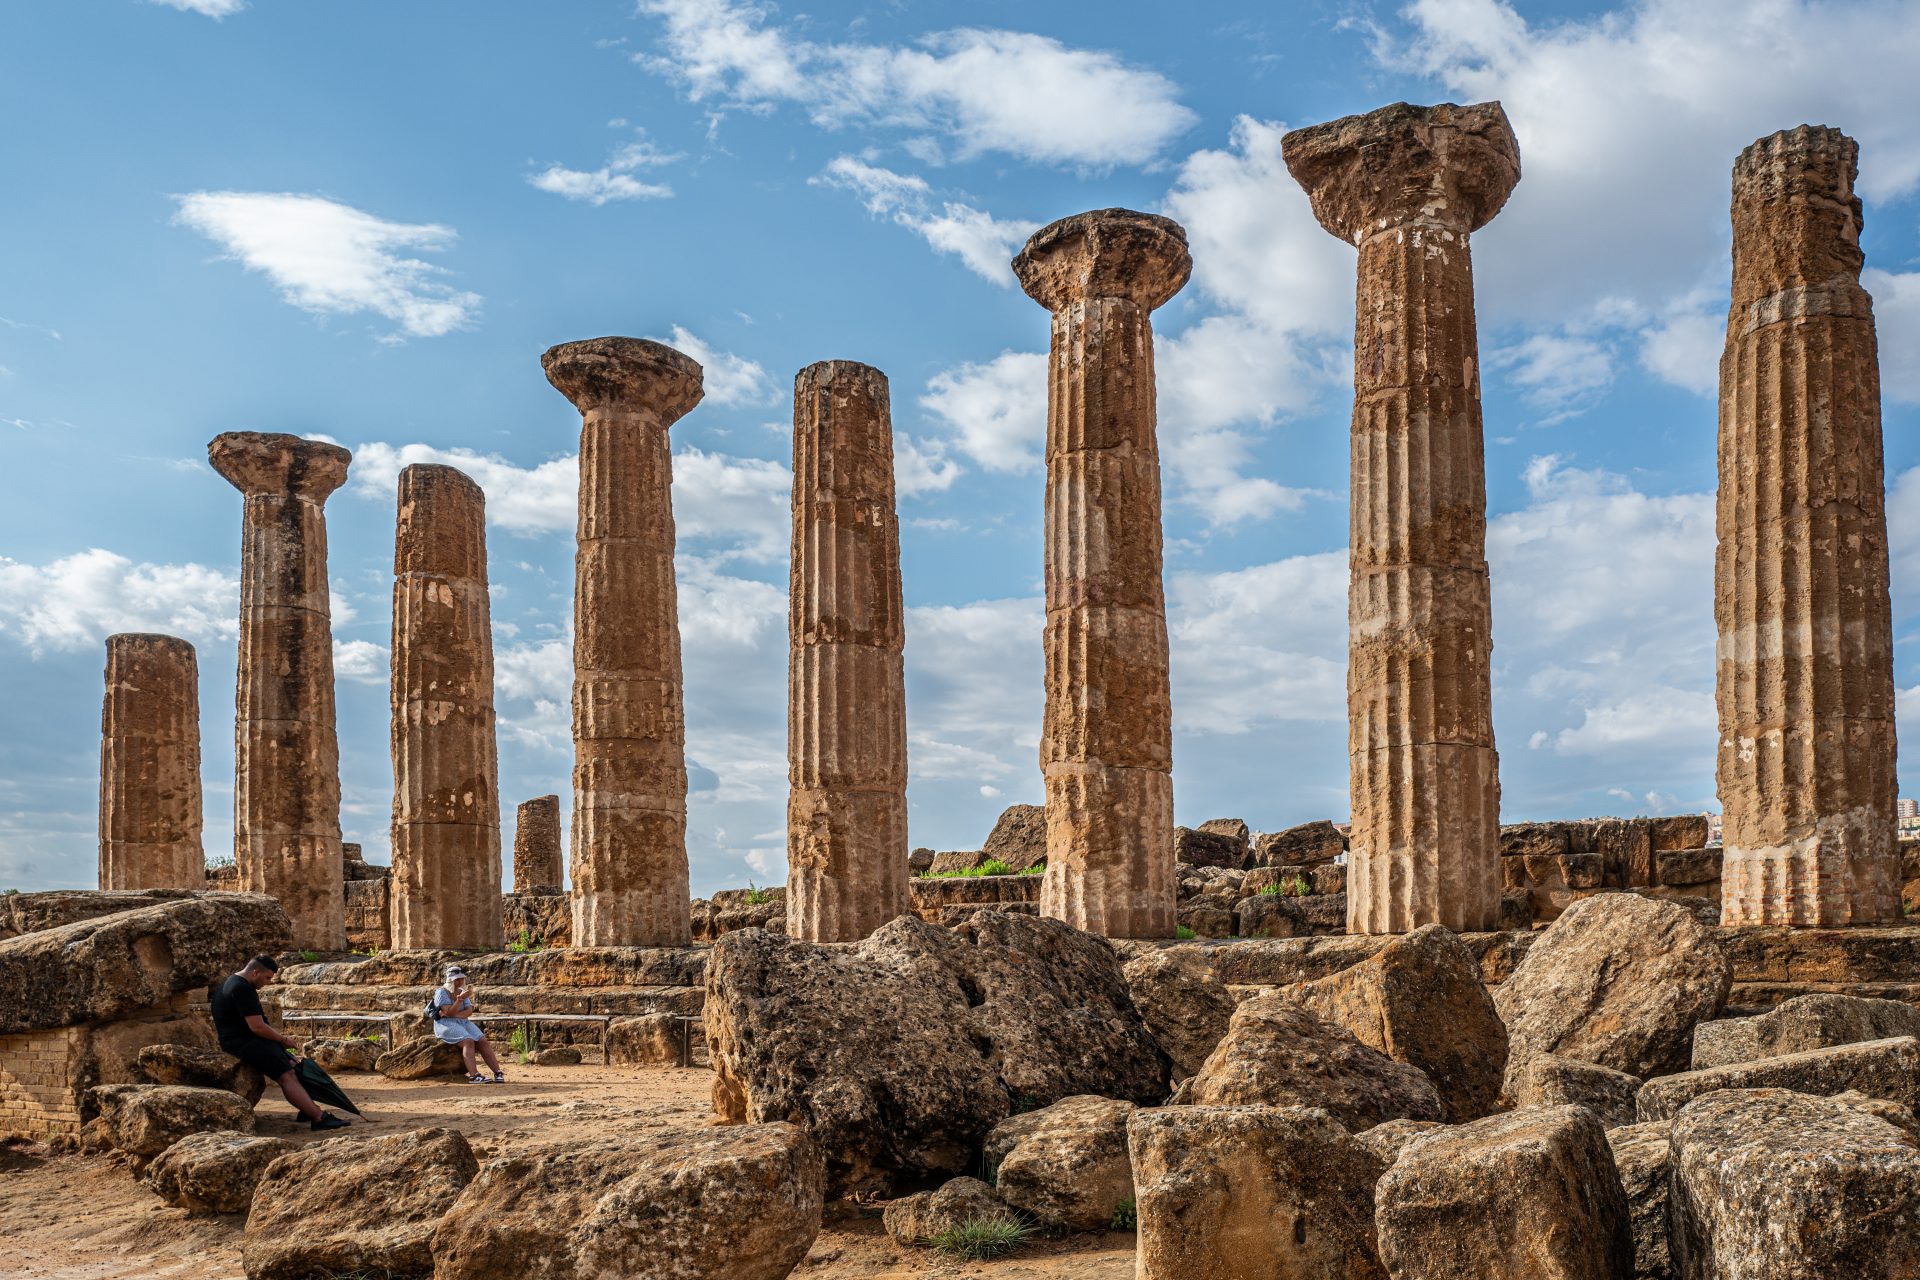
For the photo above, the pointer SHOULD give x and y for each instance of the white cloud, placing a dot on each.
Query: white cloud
(215, 9)
(744, 505)
(995, 412)
(922, 466)
(613, 180)
(984, 243)
(540, 499)
(332, 259)
(729, 379)
(1685, 350)
(1896, 310)
(360, 661)
(1558, 372)
(77, 601)
(978, 90)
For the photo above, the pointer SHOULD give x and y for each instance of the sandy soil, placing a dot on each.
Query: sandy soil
(85, 1217)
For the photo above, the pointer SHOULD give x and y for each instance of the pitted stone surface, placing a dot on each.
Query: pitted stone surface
(536, 846)
(150, 766)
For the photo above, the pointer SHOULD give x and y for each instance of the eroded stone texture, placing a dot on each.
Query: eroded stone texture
(536, 846)
(1106, 746)
(150, 766)
(846, 690)
(445, 888)
(286, 783)
(1408, 185)
(1805, 657)
(629, 865)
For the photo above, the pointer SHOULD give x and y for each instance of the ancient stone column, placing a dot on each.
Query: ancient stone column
(846, 687)
(150, 766)
(445, 889)
(1106, 745)
(286, 786)
(1408, 185)
(629, 865)
(1805, 655)
(536, 846)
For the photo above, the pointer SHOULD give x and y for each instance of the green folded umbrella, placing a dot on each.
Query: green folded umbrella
(320, 1086)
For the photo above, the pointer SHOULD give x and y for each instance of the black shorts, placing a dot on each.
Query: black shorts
(269, 1059)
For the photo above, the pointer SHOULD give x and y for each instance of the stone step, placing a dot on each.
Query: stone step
(553, 967)
(502, 1001)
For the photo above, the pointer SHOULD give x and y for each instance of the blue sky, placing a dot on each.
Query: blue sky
(366, 221)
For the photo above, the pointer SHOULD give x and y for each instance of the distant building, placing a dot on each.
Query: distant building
(1904, 809)
(1713, 830)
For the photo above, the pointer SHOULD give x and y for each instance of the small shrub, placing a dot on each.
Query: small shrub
(9, 893)
(527, 941)
(984, 1238)
(756, 896)
(308, 957)
(1298, 887)
(1126, 1215)
(1038, 869)
(1183, 933)
(524, 1043)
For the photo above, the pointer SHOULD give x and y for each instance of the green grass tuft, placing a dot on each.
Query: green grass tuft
(756, 896)
(984, 1238)
(523, 1043)
(309, 957)
(527, 941)
(991, 867)
(1183, 933)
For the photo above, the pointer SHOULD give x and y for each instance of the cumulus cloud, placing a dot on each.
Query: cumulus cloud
(967, 91)
(543, 498)
(329, 258)
(360, 661)
(995, 412)
(613, 180)
(215, 9)
(1561, 373)
(1896, 308)
(984, 243)
(77, 601)
(729, 379)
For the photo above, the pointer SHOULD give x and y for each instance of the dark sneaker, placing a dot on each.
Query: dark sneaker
(477, 1078)
(327, 1120)
(498, 1078)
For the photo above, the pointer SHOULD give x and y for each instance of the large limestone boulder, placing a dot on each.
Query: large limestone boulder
(1019, 838)
(1304, 845)
(918, 1220)
(1064, 1165)
(199, 1068)
(1420, 1000)
(731, 1203)
(1207, 849)
(1554, 1081)
(1529, 1195)
(1618, 980)
(342, 1055)
(901, 1052)
(1640, 1153)
(1388, 1140)
(646, 1040)
(356, 1205)
(1888, 1069)
(1252, 1193)
(214, 1172)
(145, 1119)
(1770, 1183)
(111, 966)
(1234, 829)
(1800, 1025)
(420, 1057)
(1186, 1008)
(1276, 1053)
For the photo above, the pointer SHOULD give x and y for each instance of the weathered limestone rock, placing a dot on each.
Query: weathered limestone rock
(1252, 1193)
(1420, 1000)
(1805, 678)
(445, 890)
(420, 1057)
(1019, 837)
(559, 1055)
(629, 871)
(214, 1172)
(1898, 1114)
(1529, 1195)
(1887, 1069)
(150, 766)
(846, 689)
(113, 966)
(286, 786)
(646, 1040)
(1064, 1165)
(925, 1216)
(1408, 186)
(1776, 1184)
(737, 1203)
(369, 1205)
(1278, 1054)
(1800, 1025)
(1618, 980)
(199, 1068)
(335, 1055)
(1306, 845)
(1554, 1081)
(1642, 1154)
(1234, 829)
(1207, 849)
(1106, 745)
(1186, 1008)
(145, 1119)
(1389, 1139)
(536, 846)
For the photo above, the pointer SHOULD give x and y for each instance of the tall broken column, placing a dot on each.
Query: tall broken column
(1106, 746)
(630, 883)
(150, 766)
(445, 888)
(536, 846)
(846, 687)
(1805, 655)
(286, 786)
(1408, 186)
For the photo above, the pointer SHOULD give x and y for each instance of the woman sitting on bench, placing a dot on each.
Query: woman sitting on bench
(453, 1023)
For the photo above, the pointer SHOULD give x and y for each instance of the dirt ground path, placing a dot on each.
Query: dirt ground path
(85, 1217)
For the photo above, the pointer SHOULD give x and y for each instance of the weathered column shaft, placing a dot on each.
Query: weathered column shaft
(1805, 655)
(286, 803)
(1407, 186)
(536, 846)
(629, 867)
(150, 766)
(846, 688)
(445, 890)
(1106, 747)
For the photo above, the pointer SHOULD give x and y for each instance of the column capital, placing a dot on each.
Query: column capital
(1454, 166)
(625, 373)
(1106, 253)
(268, 463)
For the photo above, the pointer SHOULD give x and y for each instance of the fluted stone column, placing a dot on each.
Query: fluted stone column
(536, 846)
(1408, 185)
(1805, 655)
(1106, 746)
(630, 884)
(286, 787)
(150, 766)
(445, 889)
(846, 688)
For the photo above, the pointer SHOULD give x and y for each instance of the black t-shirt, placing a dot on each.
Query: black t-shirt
(231, 1003)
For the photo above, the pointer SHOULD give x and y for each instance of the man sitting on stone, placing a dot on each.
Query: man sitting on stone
(453, 1022)
(242, 1027)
